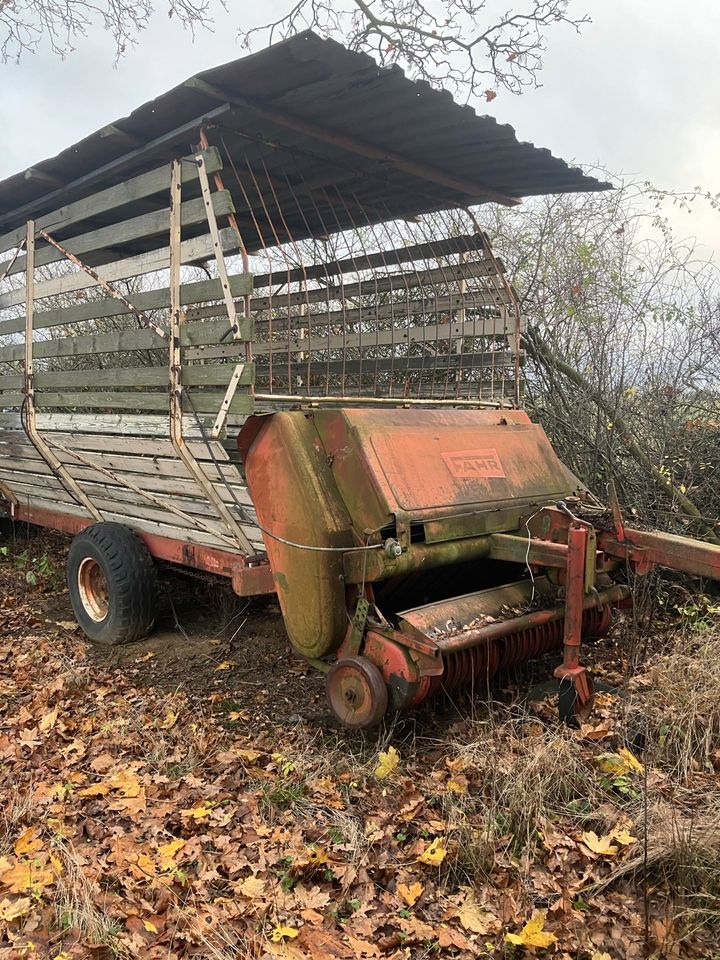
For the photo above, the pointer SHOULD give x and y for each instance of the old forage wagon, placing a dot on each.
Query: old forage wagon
(255, 329)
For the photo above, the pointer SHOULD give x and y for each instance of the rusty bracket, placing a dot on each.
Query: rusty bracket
(357, 631)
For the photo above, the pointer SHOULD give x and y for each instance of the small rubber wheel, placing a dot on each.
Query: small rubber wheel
(113, 584)
(572, 710)
(356, 692)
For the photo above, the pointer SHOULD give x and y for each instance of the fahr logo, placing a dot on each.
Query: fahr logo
(474, 464)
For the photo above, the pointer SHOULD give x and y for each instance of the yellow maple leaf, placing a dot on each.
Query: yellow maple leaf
(252, 887)
(199, 812)
(475, 919)
(457, 784)
(169, 721)
(126, 783)
(225, 665)
(48, 721)
(150, 926)
(620, 763)
(623, 836)
(167, 851)
(13, 909)
(27, 877)
(533, 933)
(387, 762)
(28, 842)
(410, 893)
(94, 790)
(435, 853)
(601, 845)
(283, 933)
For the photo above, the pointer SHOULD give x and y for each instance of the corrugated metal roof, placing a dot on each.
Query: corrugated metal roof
(290, 111)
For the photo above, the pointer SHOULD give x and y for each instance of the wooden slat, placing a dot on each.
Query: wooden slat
(204, 402)
(128, 191)
(125, 424)
(173, 486)
(134, 446)
(215, 375)
(126, 341)
(191, 251)
(196, 292)
(431, 250)
(117, 234)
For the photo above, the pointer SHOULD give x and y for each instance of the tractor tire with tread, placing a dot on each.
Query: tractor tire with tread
(113, 584)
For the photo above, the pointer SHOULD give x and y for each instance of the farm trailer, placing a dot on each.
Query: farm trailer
(255, 329)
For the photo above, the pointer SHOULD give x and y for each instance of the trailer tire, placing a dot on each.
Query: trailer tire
(113, 584)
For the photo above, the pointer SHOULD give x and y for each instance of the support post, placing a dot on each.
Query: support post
(27, 416)
(570, 670)
(175, 368)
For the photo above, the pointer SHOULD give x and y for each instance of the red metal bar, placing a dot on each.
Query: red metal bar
(199, 557)
(648, 548)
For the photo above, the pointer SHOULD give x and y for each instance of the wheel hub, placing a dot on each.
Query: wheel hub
(93, 589)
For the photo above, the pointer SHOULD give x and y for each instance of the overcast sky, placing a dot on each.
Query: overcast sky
(637, 92)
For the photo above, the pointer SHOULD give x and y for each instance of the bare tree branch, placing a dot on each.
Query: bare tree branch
(471, 46)
(462, 44)
(24, 24)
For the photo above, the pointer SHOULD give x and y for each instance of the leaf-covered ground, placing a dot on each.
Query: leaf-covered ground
(191, 797)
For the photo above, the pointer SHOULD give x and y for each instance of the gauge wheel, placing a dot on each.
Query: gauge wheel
(357, 692)
(573, 711)
(112, 583)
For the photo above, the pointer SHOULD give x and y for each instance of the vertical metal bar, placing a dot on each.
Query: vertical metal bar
(27, 417)
(175, 367)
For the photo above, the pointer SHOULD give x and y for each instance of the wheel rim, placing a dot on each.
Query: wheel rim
(93, 589)
(357, 692)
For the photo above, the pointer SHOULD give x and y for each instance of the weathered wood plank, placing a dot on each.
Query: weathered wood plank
(117, 234)
(131, 425)
(136, 400)
(137, 188)
(133, 446)
(196, 292)
(191, 251)
(173, 486)
(215, 375)
(126, 341)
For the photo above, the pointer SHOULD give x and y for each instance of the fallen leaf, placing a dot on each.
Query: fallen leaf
(283, 933)
(197, 813)
(225, 665)
(624, 837)
(533, 933)
(620, 763)
(150, 926)
(435, 853)
(28, 842)
(252, 887)
(48, 721)
(169, 721)
(410, 893)
(387, 762)
(600, 845)
(167, 852)
(27, 877)
(11, 910)
(600, 956)
(475, 919)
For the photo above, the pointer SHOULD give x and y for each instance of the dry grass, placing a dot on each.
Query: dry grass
(528, 775)
(674, 706)
(16, 809)
(76, 906)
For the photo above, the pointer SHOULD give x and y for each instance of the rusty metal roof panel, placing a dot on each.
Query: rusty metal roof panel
(316, 82)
